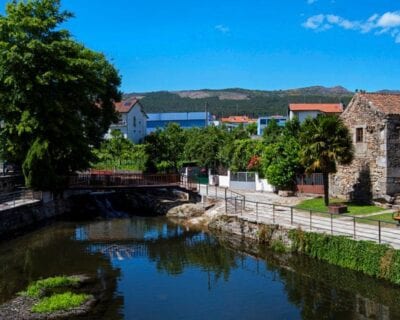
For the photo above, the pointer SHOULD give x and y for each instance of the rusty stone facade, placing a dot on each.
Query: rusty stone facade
(375, 170)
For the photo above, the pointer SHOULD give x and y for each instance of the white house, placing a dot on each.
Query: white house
(304, 110)
(133, 120)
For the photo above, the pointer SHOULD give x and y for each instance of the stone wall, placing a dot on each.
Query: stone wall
(24, 217)
(365, 178)
(393, 152)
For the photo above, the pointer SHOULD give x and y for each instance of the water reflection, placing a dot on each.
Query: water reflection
(153, 269)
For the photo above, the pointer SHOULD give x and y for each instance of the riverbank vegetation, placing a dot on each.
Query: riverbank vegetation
(50, 295)
(373, 259)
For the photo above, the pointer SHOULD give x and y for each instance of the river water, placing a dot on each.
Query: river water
(154, 269)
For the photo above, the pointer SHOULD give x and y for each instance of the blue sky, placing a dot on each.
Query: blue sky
(255, 44)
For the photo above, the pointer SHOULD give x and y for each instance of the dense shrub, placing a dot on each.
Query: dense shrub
(368, 257)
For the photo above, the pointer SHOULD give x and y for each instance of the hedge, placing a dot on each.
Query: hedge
(373, 259)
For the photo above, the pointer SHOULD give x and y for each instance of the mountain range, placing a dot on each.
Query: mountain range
(237, 101)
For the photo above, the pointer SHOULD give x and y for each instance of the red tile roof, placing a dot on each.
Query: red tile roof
(323, 107)
(385, 102)
(125, 106)
(238, 119)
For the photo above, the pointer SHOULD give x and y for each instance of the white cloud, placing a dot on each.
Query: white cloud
(314, 22)
(221, 28)
(385, 23)
(311, 1)
(389, 20)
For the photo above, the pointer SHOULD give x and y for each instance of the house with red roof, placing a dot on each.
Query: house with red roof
(132, 120)
(374, 123)
(305, 110)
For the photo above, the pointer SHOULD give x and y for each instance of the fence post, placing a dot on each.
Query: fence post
(291, 215)
(226, 205)
(273, 213)
(235, 206)
(331, 224)
(379, 231)
(310, 220)
(225, 194)
(354, 227)
(216, 192)
(207, 190)
(257, 212)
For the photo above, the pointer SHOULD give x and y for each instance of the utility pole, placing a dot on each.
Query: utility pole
(206, 116)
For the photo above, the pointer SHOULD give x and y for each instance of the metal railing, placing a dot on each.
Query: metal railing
(122, 179)
(358, 228)
(18, 198)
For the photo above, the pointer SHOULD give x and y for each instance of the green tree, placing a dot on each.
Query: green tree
(56, 96)
(203, 146)
(243, 151)
(280, 162)
(271, 132)
(166, 148)
(325, 142)
(119, 152)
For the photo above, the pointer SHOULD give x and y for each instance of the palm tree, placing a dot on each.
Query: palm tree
(325, 142)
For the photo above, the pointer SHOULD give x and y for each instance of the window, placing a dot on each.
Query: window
(134, 121)
(359, 135)
(263, 121)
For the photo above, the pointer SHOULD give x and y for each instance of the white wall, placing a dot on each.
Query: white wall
(136, 130)
(263, 185)
(303, 115)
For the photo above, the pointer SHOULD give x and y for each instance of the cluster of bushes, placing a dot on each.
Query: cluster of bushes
(371, 258)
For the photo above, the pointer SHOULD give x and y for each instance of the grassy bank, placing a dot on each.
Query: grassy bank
(373, 259)
(317, 204)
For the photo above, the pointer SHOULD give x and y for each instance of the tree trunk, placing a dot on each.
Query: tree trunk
(325, 176)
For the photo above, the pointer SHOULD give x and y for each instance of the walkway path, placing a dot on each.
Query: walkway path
(290, 217)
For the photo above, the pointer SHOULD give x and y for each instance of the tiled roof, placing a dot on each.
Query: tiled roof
(386, 103)
(238, 119)
(125, 106)
(323, 107)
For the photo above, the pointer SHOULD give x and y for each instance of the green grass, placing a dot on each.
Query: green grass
(37, 288)
(385, 217)
(61, 301)
(317, 204)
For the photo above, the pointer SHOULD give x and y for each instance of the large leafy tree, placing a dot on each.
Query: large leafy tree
(325, 142)
(166, 148)
(280, 162)
(203, 146)
(56, 96)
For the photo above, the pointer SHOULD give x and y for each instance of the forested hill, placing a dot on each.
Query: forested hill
(239, 101)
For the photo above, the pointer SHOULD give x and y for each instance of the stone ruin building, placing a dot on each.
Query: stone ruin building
(374, 123)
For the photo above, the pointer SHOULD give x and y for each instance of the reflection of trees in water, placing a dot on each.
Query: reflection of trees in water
(318, 288)
(204, 252)
(324, 291)
(52, 251)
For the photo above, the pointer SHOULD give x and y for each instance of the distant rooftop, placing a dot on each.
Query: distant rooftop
(323, 107)
(125, 106)
(238, 119)
(385, 102)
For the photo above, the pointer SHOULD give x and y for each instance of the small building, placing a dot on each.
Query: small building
(235, 121)
(305, 110)
(132, 120)
(263, 122)
(374, 123)
(186, 120)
